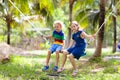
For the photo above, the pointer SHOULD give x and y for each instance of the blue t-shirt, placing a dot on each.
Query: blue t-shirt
(77, 38)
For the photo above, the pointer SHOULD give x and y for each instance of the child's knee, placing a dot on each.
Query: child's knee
(57, 52)
(49, 52)
(70, 56)
(65, 53)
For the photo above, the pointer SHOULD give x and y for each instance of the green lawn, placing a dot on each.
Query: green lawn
(29, 68)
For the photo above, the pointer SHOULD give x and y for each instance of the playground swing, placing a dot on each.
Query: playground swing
(89, 41)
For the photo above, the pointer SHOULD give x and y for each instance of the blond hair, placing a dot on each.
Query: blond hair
(76, 23)
(58, 22)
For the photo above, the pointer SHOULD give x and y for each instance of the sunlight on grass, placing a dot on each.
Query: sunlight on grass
(29, 68)
(20, 66)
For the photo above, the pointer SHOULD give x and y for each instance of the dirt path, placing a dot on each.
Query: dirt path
(7, 49)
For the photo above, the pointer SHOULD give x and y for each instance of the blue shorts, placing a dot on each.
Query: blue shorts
(55, 47)
(77, 51)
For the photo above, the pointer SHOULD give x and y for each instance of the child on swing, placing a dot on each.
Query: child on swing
(57, 45)
(76, 48)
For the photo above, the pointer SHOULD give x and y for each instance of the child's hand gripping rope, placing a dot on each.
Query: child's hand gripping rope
(45, 38)
(91, 39)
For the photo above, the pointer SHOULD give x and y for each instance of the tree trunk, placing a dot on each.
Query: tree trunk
(115, 31)
(98, 50)
(8, 37)
(71, 2)
(8, 18)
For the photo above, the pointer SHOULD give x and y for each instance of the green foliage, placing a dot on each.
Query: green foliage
(22, 5)
(81, 10)
(45, 7)
(95, 59)
(17, 68)
(110, 69)
(1, 38)
(82, 18)
(1, 7)
(29, 68)
(63, 2)
(59, 14)
(45, 45)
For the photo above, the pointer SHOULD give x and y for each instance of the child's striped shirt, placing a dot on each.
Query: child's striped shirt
(58, 37)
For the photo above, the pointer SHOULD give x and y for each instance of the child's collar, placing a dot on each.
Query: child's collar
(59, 31)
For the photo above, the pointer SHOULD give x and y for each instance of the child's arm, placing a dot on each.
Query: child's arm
(48, 36)
(84, 35)
(63, 46)
(71, 43)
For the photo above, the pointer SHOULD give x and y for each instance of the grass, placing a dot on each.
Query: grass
(29, 68)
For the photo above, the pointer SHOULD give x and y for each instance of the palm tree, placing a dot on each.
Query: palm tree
(115, 29)
(98, 50)
(8, 12)
(114, 9)
(47, 8)
(7, 16)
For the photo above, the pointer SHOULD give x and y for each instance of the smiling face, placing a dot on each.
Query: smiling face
(58, 27)
(74, 27)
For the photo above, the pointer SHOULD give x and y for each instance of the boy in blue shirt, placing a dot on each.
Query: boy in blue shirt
(57, 45)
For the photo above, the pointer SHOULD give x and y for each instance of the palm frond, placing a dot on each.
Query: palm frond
(46, 5)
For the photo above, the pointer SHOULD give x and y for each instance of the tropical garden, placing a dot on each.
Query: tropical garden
(24, 22)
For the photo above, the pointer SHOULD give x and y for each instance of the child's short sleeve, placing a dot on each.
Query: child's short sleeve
(63, 37)
(53, 34)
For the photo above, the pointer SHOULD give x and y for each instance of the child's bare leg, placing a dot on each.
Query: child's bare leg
(71, 58)
(75, 71)
(57, 58)
(64, 58)
(48, 58)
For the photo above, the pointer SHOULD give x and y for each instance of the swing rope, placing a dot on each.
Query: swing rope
(33, 26)
(91, 39)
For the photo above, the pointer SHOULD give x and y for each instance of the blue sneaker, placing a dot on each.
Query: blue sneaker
(55, 68)
(45, 68)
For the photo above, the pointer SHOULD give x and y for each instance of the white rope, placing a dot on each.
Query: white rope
(28, 20)
(106, 19)
(46, 39)
(91, 39)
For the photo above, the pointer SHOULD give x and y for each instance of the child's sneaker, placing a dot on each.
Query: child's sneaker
(45, 68)
(55, 68)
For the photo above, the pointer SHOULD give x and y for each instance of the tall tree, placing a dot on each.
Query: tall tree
(8, 11)
(101, 32)
(114, 29)
(7, 17)
(114, 9)
(71, 2)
